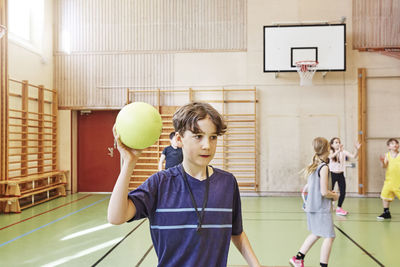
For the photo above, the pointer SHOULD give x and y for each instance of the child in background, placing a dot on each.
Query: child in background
(337, 165)
(391, 187)
(172, 154)
(194, 209)
(318, 205)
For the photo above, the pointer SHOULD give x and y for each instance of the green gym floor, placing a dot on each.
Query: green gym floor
(73, 231)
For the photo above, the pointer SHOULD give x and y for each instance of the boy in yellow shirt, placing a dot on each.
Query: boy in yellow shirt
(391, 187)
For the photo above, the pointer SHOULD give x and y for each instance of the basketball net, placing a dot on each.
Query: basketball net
(306, 70)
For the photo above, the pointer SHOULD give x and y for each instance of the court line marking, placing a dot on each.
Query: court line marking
(116, 245)
(47, 224)
(359, 246)
(290, 212)
(144, 256)
(24, 220)
(305, 219)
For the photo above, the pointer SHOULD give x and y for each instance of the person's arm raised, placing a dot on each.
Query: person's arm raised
(384, 161)
(120, 208)
(357, 146)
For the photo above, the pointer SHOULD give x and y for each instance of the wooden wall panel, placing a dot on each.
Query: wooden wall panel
(236, 150)
(104, 47)
(3, 96)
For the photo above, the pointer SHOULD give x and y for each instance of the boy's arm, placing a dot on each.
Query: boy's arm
(243, 245)
(160, 163)
(120, 208)
(384, 161)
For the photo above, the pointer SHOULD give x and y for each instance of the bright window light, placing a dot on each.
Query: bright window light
(26, 22)
(87, 231)
(66, 42)
(83, 253)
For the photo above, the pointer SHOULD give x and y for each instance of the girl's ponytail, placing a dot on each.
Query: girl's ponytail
(321, 148)
(312, 167)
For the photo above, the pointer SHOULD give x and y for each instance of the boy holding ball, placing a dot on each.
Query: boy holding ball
(194, 209)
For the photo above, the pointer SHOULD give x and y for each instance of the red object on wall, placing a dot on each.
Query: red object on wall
(98, 160)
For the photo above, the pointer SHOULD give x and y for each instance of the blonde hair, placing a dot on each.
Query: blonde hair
(321, 148)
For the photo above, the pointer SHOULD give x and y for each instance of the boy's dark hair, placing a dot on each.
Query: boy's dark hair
(171, 135)
(187, 116)
(392, 140)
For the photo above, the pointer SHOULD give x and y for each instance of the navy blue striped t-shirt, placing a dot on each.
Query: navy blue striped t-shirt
(164, 199)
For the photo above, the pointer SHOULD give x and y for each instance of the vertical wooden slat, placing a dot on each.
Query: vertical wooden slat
(54, 135)
(362, 134)
(24, 128)
(160, 111)
(255, 139)
(3, 96)
(223, 136)
(190, 95)
(40, 161)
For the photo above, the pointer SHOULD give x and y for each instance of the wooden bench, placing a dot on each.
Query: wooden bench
(16, 204)
(24, 192)
(19, 186)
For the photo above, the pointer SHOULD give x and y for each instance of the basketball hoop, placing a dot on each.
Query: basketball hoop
(306, 70)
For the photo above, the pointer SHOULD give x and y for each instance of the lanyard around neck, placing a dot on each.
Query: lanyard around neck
(200, 216)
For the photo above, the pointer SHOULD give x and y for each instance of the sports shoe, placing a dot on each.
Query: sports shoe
(296, 263)
(341, 212)
(384, 216)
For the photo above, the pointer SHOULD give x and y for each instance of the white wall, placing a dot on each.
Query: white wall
(289, 116)
(34, 66)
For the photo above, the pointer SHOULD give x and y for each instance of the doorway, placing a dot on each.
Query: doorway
(98, 160)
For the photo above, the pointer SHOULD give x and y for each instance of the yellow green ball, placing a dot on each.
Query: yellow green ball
(138, 125)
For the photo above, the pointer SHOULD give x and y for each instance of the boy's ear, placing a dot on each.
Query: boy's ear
(178, 139)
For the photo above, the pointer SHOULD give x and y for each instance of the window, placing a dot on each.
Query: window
(26, 23)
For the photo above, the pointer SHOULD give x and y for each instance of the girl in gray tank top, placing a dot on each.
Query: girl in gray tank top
(318, 205)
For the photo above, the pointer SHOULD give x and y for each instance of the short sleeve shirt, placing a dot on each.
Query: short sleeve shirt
(165, 200)
(173, 156)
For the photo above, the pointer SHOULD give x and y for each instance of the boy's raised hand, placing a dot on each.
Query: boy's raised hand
(383, 160)
(127, 154)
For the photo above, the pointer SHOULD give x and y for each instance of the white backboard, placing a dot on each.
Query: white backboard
(286, 44)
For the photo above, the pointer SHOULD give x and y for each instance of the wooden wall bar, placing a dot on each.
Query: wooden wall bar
(31, 175)
(3, 96)
(236, 150)
(362, 131)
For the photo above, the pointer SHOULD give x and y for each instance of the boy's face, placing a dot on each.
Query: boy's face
(199, 149)
(393, 146)
(173, 141)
